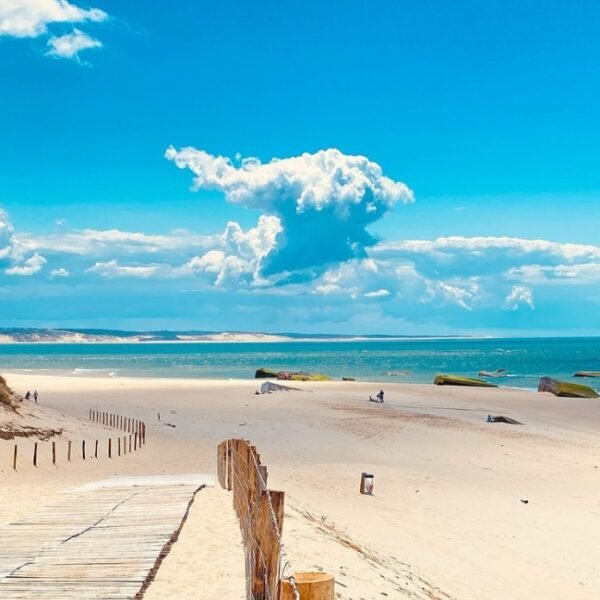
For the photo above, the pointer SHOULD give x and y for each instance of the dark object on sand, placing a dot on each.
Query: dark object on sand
(496, 373)
(264, 373)
(366, 484)
(348, 379)
(566, 388)
(502, 419)
(587, 374)
(525, 501)
(378, 398)
(267, 387)
(459, 380)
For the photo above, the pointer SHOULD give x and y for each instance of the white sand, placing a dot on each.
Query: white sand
(446, 520)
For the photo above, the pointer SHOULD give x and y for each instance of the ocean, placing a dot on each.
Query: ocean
(526, 360)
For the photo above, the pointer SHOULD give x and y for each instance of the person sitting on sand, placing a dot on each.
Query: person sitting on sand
(380, 396)
(28, 395)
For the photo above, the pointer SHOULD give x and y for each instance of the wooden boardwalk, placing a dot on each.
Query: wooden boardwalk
(103, 543)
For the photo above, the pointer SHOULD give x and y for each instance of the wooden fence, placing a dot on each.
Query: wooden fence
(133, 440)
(260, 513)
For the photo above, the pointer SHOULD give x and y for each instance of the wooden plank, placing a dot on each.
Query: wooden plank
(68, 550)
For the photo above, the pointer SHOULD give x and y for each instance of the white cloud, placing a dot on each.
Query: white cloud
(93, 242)
(61, 272)
(575, 274)
(29, 267)
(519, 295)
(239, 256)
(380, 293)
(509, 244)
(113, 269)
(465, 295)
(324, 201)
(30, 18)
(69, 45)
(446, 250)
(6, 237)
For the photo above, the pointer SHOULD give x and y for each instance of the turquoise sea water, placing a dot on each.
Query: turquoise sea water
(525, 359)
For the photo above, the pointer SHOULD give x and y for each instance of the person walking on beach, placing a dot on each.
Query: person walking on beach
(35, 396)
(380, 396)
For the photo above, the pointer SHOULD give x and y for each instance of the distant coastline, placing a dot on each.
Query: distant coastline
(87, 336)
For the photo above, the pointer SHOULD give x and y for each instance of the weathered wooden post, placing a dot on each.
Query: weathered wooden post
(69, 451)
(311, 586)
(35, 454)
(129, 443)
(119, 446)
(124, 444)
(15, 458)
(83, 449)
(96, 449)
(109, 447)
(54, 453)
(134, 442)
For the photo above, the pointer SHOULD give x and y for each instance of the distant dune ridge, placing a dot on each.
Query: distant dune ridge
(110, 336)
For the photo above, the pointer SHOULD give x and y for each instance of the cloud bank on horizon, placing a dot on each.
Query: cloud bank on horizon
(450, 284)
(32, 19)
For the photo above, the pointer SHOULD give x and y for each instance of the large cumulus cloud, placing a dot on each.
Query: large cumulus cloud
(324, 202)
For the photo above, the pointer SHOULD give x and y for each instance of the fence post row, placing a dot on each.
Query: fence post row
(135, 428)
(260, 514)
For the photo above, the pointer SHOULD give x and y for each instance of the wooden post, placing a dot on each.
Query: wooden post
(129, 443)
(83, 449)
(96, 449)
(134, 442)
(35, 454)
(265, 574)
(311, 586)
(69, 451)
(119, 446)
(124, 444)
(109, 447)
(53, 453)
(15, 458)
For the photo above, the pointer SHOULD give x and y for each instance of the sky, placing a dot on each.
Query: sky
(319, 167)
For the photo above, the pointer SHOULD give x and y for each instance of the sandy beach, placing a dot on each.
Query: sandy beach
(463, 509)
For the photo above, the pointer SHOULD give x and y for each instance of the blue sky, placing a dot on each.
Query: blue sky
(486, 112)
